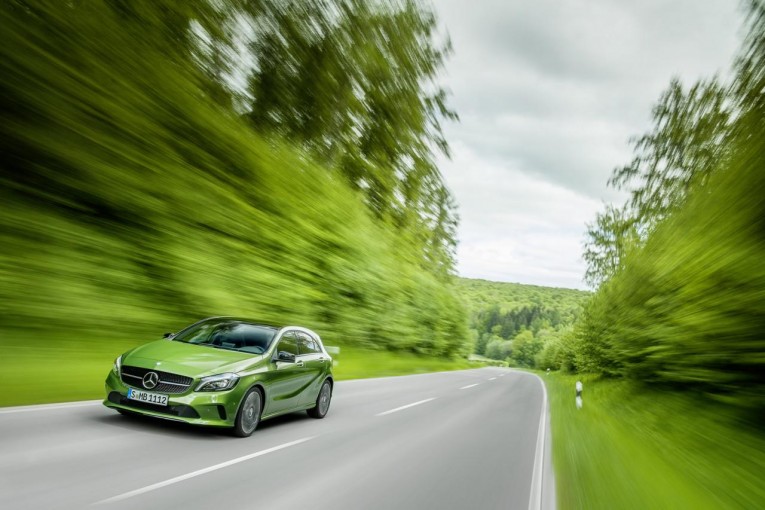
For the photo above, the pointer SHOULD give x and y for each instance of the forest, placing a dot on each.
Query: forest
(521, 324)
(171, 160)
(680, 267)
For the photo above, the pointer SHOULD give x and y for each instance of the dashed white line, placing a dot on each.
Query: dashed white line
(405, 407)
(469, 386)
(492, 378)
(181, 478)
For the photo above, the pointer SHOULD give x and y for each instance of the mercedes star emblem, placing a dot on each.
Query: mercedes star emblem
(150, 380)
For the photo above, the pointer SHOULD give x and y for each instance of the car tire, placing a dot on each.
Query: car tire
(248, 416)
(323, 399)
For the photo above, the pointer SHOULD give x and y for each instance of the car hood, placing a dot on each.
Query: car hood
(188, 359)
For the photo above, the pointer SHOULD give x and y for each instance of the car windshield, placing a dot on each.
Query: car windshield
(228, 334)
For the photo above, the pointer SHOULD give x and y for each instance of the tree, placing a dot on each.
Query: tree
(499, 349)
(130, 171)
(685, 145)
(549, 356)
(355, 84)
(607, 242)
(525, 348)
(685, 309)
(481, 343)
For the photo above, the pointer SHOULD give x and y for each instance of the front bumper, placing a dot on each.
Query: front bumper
(214, 409)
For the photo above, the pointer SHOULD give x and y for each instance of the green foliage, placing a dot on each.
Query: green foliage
(354, 83)
(499, 349)
(481, 295)
(684, 147)
(525, 348)
(608, 241)
(550, 357)
(686, 308)
(687, 142)
(135, 198)
(502, 312)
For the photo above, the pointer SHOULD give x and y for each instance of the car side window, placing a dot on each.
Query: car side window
(288, 343)
(307, 344)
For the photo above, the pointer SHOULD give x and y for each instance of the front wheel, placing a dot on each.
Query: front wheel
(248, 417)
(321, 408)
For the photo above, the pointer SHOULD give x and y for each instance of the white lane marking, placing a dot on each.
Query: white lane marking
(181, 478)
(48, 407)
(406, 406)
(469, 386)
(502, 375)
(535, 499)
(492, 378)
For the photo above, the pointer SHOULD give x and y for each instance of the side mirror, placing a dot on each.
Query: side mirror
(285, 356)
(168, 335)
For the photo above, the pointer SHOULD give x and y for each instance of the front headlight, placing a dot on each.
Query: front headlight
(117, 365)
(218, 382)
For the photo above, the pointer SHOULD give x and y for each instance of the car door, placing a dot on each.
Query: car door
(315, 361)
(288, 379)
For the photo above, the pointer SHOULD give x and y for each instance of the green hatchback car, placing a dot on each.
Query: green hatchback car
(224, 372)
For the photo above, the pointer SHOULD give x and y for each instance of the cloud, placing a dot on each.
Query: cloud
(516, 227)
(549, 93)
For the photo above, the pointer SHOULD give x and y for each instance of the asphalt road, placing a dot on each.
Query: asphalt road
(471, 439)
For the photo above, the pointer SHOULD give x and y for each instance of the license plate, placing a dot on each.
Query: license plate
(148, 397)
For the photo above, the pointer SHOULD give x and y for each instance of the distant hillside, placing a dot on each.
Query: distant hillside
(516, 322)
(479, 294)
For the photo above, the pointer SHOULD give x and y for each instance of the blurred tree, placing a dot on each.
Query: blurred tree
(684, 308)
(549, 356)
(499, 349)
(749, 86)
(607, 242)
(525, 348)
(355, 84)
(481, 343)
(685, 145)
(135, 193)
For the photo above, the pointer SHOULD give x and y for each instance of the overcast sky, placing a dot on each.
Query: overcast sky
(548, 92)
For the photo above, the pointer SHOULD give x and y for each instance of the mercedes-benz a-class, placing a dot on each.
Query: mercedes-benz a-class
(224, 372)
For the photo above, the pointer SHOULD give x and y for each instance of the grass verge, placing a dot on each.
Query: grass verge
(363, 364)
(632, 448)
(77, 372)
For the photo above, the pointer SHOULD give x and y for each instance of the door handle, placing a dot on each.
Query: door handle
(299, 363)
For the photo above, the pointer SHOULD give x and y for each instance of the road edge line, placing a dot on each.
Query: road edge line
(536, 496)
(47, 407)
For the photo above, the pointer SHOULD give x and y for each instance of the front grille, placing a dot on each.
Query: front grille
(168, 383)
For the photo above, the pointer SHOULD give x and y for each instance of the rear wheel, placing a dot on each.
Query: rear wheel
(322, 401)
(248, 417)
